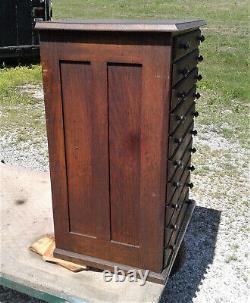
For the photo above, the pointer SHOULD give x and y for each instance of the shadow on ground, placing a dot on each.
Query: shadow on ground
(200, 241)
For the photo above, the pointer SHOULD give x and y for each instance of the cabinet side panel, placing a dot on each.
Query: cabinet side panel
(124, 94)
(81, 147)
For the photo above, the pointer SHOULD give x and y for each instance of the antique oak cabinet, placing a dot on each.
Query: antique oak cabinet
(120, 107)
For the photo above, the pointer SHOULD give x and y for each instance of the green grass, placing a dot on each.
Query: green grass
(225, 85)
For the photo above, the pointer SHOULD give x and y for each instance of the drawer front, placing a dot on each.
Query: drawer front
(172, 229)
(184, 44)
(181, 91)
(187, 118)
(178, 163)
(182, 67)
(175, 186)
(179, 144)
(179, 115)
(185, 75)
(172, 213)
(185, 179)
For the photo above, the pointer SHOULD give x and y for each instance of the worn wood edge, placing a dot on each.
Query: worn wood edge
(96, 263)
(160, 278)
(122, 25)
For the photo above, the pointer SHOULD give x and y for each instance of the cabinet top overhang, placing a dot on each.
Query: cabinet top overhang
(149, 25)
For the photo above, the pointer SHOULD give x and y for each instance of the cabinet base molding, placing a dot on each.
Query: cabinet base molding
(96, 263)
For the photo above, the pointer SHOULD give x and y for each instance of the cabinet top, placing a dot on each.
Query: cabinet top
(149, 25)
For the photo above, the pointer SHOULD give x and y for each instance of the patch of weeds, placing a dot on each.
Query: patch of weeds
(231, 258)
(228, 117)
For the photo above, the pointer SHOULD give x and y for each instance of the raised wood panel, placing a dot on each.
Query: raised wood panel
(124, 99)
(87, 173)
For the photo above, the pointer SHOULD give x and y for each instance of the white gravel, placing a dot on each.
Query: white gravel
(216, 269)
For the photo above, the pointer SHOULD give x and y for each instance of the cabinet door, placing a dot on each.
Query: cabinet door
(106, 109)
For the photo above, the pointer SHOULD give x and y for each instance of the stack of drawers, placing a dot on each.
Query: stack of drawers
(181, 130)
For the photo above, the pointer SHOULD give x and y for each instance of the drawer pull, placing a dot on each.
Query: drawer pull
(193, 150)
(197, 95)
(177, 140)
(181, 96)
(190, 185)
(177, 184)
(199, 77)
(194, 132)
(200, 58)
(180, 118)
(174, 226)
(175, 206)
(191, 168)
(185, 45)
(201, 38)
(179, 163)
(195, 114)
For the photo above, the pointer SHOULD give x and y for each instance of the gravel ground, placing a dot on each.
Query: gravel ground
(216, 269)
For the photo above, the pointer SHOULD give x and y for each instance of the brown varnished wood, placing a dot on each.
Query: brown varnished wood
(125, 98)
(113, 103)
(145, 138)
(86, 149)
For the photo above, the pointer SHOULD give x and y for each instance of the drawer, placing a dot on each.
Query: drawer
(180, 116)
(187, 118)
(184, 105)
(172, 230)
(184, 44)
(176, 142)
(177, 163)
(185, 179)
(176, 183)
(182, 67)
(181, 91)
(174, 206)
(178, 166)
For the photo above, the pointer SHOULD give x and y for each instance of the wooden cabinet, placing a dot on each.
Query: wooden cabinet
(119, 99)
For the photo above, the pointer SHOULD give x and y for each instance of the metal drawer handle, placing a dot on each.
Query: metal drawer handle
(179, 163)
(201, 38)
(190, 185)
(200, 58)
(197, 95)
(177, 184)
(180, 118)
(191, 168)
(195, 114)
